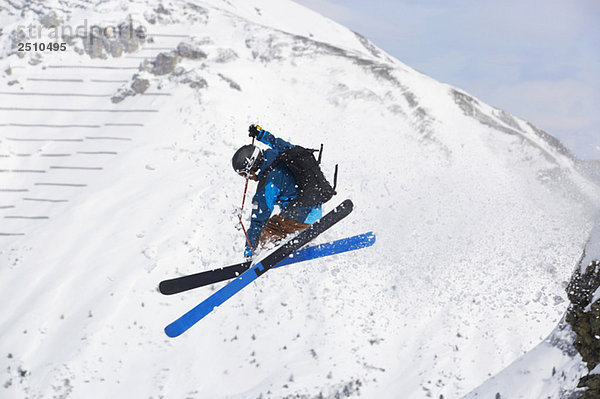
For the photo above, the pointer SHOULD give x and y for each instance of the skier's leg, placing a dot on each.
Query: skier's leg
(278, 227)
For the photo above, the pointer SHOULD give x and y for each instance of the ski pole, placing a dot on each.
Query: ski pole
(246, 234)
(242, 210)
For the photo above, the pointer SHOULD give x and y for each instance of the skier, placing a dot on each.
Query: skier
(288, 177)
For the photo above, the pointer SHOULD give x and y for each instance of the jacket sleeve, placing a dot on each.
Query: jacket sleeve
(272, 141)
(263, 203)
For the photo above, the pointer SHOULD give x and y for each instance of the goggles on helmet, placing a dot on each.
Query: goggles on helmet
(249, 163)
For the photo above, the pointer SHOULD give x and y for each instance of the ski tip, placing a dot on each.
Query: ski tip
(165, 287)
(162, 288)
(172, 331)
(370, 236)
(345, 206)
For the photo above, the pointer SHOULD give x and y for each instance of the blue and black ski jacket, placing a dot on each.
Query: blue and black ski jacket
(280, 189)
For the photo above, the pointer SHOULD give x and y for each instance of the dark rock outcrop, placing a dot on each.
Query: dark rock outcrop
(584, 314)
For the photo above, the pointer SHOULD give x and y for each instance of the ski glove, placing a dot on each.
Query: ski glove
(255, 131)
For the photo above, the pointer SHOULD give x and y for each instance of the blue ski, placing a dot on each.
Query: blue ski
(191, 281)
(190, 318)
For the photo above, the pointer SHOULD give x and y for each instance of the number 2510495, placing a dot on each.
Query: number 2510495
(42, 46)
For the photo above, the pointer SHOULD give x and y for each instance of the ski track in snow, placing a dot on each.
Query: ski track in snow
(479, 218)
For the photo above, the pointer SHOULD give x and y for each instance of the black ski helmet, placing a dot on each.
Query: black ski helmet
(247, 159)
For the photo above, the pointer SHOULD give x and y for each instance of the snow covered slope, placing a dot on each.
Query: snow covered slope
(550, 370)
(115, 174)
(564, 365)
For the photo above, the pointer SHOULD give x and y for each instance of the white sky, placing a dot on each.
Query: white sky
(537, 59)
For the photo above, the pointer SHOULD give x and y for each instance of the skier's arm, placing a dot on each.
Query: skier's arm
(267, 138)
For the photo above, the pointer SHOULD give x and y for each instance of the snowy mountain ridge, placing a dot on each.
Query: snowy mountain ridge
(115, 174)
